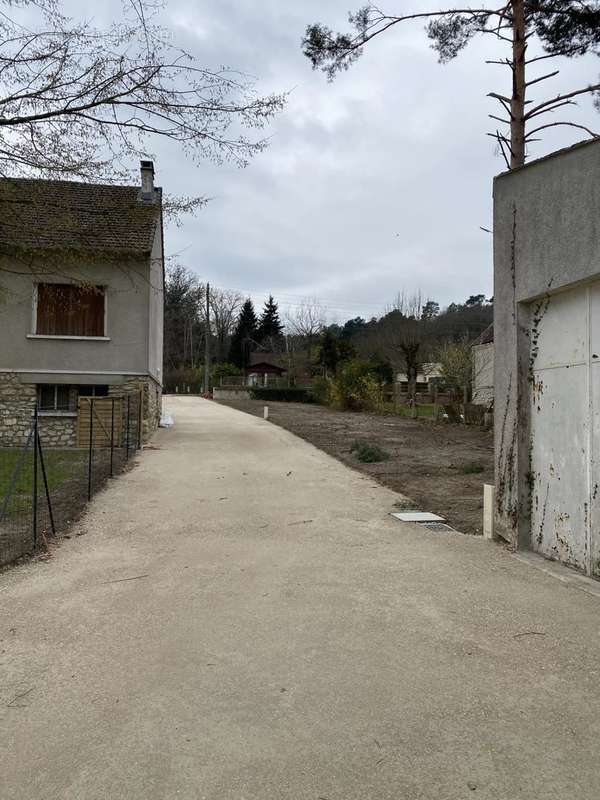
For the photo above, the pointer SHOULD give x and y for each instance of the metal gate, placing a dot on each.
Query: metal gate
(565, 428)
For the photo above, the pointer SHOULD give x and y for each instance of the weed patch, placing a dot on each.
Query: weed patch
(368, 453)
(472, 469)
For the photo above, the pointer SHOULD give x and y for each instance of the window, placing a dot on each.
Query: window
(64, 309)
(92, 391)
(55, 397)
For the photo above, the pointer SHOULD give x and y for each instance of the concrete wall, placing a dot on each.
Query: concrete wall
(230, 394)
(546, 238)
(126, 349)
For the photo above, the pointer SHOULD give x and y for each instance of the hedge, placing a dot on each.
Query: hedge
(291, 394)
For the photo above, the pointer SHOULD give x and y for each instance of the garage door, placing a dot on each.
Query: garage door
(565, 428)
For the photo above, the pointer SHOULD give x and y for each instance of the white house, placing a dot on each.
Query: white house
(427, 373)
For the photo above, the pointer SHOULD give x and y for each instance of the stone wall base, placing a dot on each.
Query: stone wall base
(151, 399)
(17, 406)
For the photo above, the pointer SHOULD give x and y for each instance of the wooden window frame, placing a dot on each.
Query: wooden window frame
(34, 317)
(55, 411)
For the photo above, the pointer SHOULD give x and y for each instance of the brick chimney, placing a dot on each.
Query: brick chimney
(147, 175)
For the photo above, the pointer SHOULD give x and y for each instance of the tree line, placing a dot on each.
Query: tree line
(412, 332)
(235, 330)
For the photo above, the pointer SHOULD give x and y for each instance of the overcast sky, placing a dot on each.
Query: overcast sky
(372, 184)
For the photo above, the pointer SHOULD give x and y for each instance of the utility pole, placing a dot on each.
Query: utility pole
(207, 343)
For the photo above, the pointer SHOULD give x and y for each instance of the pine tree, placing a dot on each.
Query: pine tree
(329, 353)
(269, 327)
(244, 336)
(567, 28)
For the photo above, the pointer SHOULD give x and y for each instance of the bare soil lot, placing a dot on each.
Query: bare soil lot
(441, 467)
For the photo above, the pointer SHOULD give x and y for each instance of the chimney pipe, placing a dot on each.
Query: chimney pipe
(147, 176)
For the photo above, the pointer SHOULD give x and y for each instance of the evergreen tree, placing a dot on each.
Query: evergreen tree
(431, 309)
(566, 28)
(269, 326)
(329, 353)
(244, 336)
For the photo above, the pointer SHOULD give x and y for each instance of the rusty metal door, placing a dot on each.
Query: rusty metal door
(564, 397)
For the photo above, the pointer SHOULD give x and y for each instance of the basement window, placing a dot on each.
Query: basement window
(65, 309)
(93, 391)
(54, 398)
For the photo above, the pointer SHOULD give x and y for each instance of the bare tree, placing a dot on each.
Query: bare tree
(402, 333)
(564, 28)
(79, 101)
(225, 305)
(184, 332)
(456, 359)
(306, 321)
(408, 305)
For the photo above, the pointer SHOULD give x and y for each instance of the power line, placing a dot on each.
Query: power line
(298, 300)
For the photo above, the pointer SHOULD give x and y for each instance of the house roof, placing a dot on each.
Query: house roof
(487, 337)
(273, 359)
(265, 366)
(42, 215)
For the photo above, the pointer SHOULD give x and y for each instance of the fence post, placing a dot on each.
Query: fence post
(91, 402)
(112, 435)
(34, 507)
(46, 487)
(127, 430)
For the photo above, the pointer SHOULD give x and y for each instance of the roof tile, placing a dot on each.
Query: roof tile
(65, 215)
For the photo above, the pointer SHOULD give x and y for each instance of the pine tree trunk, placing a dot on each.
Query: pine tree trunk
(517, 105)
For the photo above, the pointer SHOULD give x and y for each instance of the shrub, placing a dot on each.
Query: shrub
(321, 390)
(369, 453)
(291, 394)
(472, 469)
(223, 370)
(355, 388)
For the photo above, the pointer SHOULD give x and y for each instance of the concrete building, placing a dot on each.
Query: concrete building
(547, 356)
(81, 301)
(483, 368)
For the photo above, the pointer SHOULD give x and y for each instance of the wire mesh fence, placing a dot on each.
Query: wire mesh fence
(43, 489)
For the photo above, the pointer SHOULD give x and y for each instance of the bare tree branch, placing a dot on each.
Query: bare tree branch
(80, 101)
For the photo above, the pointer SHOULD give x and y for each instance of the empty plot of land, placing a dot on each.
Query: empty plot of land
(440, 466)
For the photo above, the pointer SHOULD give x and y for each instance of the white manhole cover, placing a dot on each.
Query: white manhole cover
(417, 516)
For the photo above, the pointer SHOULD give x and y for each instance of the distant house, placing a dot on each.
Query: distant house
(262, 366)
(483, 368)
(427, 374)
(81, 301)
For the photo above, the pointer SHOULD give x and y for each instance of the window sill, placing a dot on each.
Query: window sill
(76, 338)
(48, 413)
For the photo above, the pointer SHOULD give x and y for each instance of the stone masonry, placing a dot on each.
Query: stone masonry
(17, 404)
(151, 398)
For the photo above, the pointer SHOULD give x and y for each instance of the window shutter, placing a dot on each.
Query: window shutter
(67, 310)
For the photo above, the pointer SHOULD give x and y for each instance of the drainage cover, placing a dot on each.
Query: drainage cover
(439, 526)
(417, 516)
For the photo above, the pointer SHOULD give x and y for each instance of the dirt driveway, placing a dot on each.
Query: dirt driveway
(441, 467)
(243, 620)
